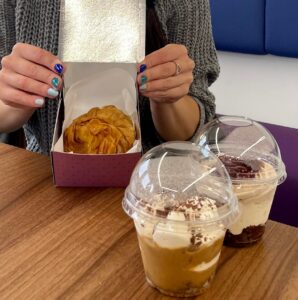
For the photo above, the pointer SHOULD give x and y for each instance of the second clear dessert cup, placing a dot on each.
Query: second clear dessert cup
(253, 161)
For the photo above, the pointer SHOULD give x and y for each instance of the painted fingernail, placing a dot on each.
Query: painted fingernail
(52, 92)
(55, 82)
(59, 68)
(39, 102)
(143, 68)
(144, 79)
(143, 87)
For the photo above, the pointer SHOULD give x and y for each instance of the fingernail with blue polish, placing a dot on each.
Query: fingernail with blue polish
(143, 79)
(143, 87)
(143, 68)
(53, 93)
(55, 82)
(39, 102)
(59, 68)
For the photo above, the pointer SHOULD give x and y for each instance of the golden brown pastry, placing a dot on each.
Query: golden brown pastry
(104, 130)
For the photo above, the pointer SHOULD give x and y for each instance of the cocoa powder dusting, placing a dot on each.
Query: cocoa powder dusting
(238, 168)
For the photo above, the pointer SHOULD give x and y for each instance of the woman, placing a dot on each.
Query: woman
(173, 79)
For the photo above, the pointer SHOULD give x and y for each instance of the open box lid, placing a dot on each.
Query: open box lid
(102, 31)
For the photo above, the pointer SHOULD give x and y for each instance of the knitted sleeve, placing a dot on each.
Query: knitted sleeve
(7, 27)
(189, 23)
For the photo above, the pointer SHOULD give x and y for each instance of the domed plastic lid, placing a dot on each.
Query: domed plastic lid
(181, 182)
(246, 148)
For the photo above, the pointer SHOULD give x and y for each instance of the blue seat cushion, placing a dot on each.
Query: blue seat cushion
(282, 27)
(239, 25)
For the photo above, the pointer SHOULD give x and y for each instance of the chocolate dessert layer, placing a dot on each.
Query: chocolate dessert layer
(248, 236)
(240, 169)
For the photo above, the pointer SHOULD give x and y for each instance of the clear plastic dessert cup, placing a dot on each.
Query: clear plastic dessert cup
(181, 200)
(253, 161)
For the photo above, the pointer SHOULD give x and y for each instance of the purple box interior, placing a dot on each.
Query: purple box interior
(285, 204)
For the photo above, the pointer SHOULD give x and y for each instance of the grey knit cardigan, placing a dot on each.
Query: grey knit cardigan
(184, 22)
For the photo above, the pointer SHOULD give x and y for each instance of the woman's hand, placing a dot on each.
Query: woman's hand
(28, 75)
(166, 74)
(165, 78)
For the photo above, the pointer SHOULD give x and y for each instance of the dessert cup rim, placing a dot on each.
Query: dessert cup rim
(281, 176)
(274, 161)
(224, 218)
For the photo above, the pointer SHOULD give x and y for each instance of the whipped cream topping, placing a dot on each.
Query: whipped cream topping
(193, 208)
(247, 190)
(255, 200)
(173, 232)
(172, 235)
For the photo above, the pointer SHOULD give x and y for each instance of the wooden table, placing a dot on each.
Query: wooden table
(78, 244)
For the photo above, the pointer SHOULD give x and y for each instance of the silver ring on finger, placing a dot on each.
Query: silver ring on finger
(178, 68)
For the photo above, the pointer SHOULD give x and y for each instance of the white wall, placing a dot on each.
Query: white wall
(264, 88)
